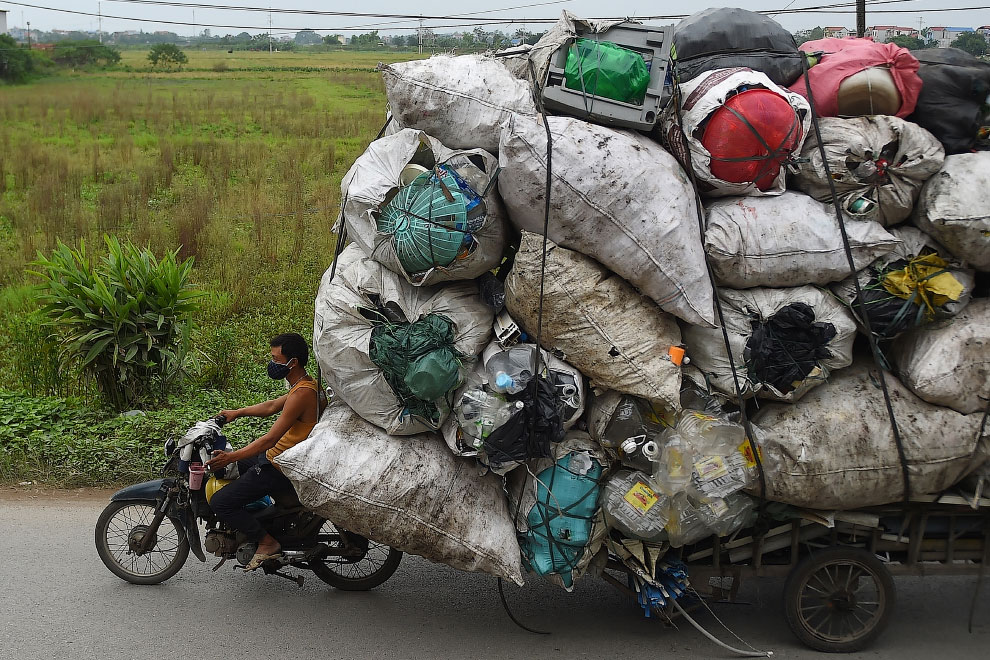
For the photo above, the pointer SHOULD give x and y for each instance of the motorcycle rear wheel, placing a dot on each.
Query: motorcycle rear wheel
(121, 527)
(371, 566)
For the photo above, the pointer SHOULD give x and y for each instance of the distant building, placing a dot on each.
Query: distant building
(985, 31)
(881, 33)
(944, 36)
(836, 32)
(3, 21)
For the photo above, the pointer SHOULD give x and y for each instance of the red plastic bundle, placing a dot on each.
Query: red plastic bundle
(751, 136)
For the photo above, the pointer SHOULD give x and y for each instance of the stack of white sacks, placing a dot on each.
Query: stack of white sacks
(542, 460)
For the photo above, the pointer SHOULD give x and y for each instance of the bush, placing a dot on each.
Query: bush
(16, 63)
(166, 56)
(124, 322)
(85, 52)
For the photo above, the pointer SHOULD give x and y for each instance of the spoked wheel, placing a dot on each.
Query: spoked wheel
(839, 599)
(120, 531)
(363, 565)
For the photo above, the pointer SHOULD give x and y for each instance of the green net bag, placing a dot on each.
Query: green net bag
(601, 68)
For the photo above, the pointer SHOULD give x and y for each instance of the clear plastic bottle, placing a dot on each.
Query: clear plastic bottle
(509, 371)
(686, 524)
(633, 505)
(673, 473)
(479, 413)
(725, 515)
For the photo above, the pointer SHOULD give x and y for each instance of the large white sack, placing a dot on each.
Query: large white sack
(700, 98)
(374, 178)
(949, 364)
(615, 196)
(954, 208)
(462, 101)
(891, 314)
(835, 449)
(342, 334)
(747, 310)
(409, 493)
(880, 158)
(616, 337)
(784, 241)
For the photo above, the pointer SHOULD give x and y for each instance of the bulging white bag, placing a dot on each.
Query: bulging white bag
(948, 364)
(342, 332)
(954, 208)
(462, 101)
(785, 241)
(380, 173)
(596, 322)
(409, 493)
(836, 450)
(878, 165)
(616, 196)
(784, 341)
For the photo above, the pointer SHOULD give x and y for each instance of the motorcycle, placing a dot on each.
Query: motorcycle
(145, 534)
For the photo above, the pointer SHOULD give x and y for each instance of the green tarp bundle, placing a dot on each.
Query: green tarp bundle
(419, 360)
(601, 68)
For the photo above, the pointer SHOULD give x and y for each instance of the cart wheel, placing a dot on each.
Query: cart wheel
(839, 599)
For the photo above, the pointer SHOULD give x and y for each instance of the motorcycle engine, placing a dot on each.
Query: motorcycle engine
(245, 553)
(219, 543)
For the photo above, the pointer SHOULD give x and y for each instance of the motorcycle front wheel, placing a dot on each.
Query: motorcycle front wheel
(120, 531)
(365, 565)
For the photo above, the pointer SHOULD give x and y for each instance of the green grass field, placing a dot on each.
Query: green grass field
(237, 165)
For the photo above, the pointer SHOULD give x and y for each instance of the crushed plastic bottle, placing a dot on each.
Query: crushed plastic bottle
(676, 464)
(632, 417)
(479, 413)
(634, 506)
(723, 516)
(705, 456)
(509, 371)
(686, 524)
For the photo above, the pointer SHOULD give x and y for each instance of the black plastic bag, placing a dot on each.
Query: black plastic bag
(723, 38)
(951, 105)
(786, 348)
(530, 431)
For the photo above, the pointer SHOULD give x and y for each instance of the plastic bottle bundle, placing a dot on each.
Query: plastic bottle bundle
(720, 467)
(687, 523)
(509, 371)
(479, 413)
(725, 515)
(634, 506)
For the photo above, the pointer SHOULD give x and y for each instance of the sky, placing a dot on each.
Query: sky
(195, 19)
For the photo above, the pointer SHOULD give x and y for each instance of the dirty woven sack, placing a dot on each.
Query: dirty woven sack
(363, 316)
(878, 164)
(784, 341)
(617, 197)
(954, 208)
(725, 37)
(557, 514)
(785, 241)
(740, 129)
(426, 212)
(915, 284)
(595, 321)
(952, 103)
(409, 493)
(835, 450)
(462, 101)
(948, 364)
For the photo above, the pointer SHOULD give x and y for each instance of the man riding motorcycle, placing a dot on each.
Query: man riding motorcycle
(258, 476)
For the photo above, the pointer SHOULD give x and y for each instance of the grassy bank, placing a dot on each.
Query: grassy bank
(238, 168)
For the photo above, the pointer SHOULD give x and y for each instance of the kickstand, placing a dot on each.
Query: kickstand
(222, 562)
(298, 579)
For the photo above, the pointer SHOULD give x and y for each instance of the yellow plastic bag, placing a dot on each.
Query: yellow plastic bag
(927, 281)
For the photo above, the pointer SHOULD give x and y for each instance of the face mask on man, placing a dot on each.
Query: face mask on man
(277, 370)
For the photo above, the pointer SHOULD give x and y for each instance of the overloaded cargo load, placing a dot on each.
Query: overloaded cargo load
(878, 166)
(954, 208)
(595, 321)
(391, 351)
(615, 196)
(915, 284)
(784, 341)
(948, 364)
(952, 103)
(786, 241)
(860, 77)
(406, 492)
(725, 37)
(836, 450)
(424, 211)
(462, 101)
(556, 505)
(739, 131)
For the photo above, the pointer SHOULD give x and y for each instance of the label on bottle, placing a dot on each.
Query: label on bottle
(718, 507)
(746, 450)
(710, 468)
(641, 497)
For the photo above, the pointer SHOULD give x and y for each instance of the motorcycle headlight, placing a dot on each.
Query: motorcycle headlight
(170, 446)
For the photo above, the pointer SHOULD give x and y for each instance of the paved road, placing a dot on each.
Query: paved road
(58, 601)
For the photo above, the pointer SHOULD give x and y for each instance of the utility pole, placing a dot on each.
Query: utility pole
(860, 18)
(420, 32)
(99, 28)
(29, 35)
(269, 30)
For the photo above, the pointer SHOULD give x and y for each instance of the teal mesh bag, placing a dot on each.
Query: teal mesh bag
(601, 68)
(427, 221)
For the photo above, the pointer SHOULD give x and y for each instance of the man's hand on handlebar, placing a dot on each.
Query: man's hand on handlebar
(228, 416)
(220, 460)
